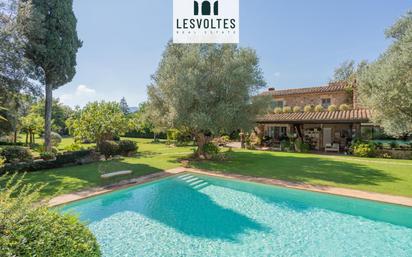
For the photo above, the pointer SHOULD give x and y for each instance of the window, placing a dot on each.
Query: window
(276, 132)
(326, 102)
(277, 103)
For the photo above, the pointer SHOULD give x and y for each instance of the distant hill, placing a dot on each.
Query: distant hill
(133, 109)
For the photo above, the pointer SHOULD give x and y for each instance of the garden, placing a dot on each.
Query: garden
(48, 149)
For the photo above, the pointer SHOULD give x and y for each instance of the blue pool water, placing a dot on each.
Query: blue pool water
(193, 215)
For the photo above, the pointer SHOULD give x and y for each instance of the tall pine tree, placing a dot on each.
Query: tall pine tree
(52, 45)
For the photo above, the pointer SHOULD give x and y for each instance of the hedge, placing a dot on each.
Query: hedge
(74, 158)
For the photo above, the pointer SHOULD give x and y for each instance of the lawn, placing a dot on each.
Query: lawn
(374, 175)
(152, 158)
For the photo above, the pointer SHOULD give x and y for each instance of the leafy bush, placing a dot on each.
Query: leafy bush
(56, 139)
(344, 107)
(332, 108)
(287, 109)
(297, 109)
(378, 145)
(364, 150)
(278, 110)
(127, 147)
(308, 108)
(73, 157)
(2, 161)
(318, 108)
(178, 136)
(285, 145)
(109, 148)
(225, 138)
(211, 148)
(29, 228)
(385, 155)
(14, 154)
(47, 156)
(74, 147)
(302, 147)
(12, 143)
(69, 158)
(221, 141)
(394, 144)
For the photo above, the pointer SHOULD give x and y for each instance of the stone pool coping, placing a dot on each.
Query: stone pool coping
(378, 197)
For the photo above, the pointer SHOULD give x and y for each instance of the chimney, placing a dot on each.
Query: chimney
(271, 89)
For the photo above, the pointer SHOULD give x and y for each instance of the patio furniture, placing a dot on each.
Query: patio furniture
(332, 148)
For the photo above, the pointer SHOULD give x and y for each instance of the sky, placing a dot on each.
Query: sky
(299, 42)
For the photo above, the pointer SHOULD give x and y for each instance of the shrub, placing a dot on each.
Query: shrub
(109, 148)
(172, 134)
(285, 145)
(178, 136)
(278, 110)
(225, 138)
(385, 155)
(297, 109)
(344, 107)
(287, 109)
(308, 108)
(364, 150)
(29, 229)
(47, 156)
(221, 141)
(12, 143)
(318, 108)
(69, 158)
(394, 144)
(73, 157)
(211, 151)
(332, 108)
(56, 139)
(74, 147)
(302, 147)
(378, 145)
(2, 161)
(14, 154)
(127, 147)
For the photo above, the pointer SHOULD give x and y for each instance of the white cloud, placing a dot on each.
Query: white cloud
(81, 95)
(84, 90)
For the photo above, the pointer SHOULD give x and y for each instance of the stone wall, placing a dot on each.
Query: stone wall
(337, 98)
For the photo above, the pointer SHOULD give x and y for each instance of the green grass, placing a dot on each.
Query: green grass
(374, 175)
(151, 158)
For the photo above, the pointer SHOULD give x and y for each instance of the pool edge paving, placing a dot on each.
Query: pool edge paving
(352, 193)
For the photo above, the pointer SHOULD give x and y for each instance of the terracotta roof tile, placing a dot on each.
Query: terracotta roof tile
(357, 115)
(331, 87)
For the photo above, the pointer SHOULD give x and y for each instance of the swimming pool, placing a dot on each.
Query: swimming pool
(196, 215)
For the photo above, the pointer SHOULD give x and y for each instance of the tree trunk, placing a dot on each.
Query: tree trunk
(27, 137)
(201, 140)
(15, 136)
(47, 118)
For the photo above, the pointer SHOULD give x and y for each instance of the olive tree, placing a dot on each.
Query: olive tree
(51, 44)
(385, 86)
(97, 122)
(206, 89)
